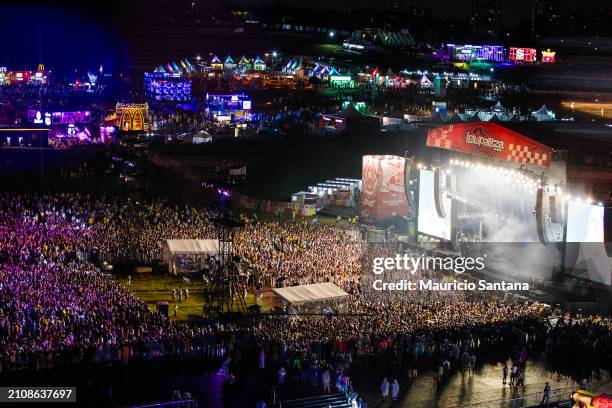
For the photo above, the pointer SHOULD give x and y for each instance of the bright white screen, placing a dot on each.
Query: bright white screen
(584, 222)
(428, 220)
(585, 252)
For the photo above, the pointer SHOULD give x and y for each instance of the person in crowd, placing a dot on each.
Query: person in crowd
(546, 394)
(384, 389)
(395, 388)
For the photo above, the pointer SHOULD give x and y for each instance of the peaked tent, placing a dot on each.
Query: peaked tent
(498, 107)
(455, 119)
(259, 64)
(333, 71)
(495, 118)
(543, 114)
(425, 82)
(350, 112)
(542, 111)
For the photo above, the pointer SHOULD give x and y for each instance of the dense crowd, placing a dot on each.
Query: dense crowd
(52, 301)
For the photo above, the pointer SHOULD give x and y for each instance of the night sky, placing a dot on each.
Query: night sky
(513, 11)
(85, 34)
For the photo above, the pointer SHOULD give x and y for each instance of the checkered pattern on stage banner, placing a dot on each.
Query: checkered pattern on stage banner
(439, 138)
(522, 154)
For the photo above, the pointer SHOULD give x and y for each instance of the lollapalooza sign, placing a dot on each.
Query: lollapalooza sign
(490, 140)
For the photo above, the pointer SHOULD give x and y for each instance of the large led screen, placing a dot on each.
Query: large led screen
(584, 222)
(429, 222)
(585, 251)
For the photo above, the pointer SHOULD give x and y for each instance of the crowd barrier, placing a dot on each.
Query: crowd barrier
(286, 209)
(170, 404)
(119, 354)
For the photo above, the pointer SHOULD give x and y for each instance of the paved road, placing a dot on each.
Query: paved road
(464, 388)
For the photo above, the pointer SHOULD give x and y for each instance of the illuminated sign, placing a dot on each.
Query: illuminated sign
(494, 144)
(522, 54)
(246, 105)
(475, 52)
(38, 117)
(548, 56)
(490, 140)
(47, 119)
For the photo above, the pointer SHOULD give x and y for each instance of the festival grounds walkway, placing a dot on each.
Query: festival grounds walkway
(481, 388)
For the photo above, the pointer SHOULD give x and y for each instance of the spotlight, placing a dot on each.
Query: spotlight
(223, 192)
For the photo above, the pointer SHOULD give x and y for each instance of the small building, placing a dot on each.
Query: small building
(259, 64)
(132, 116)
(229, 63)
(244, 64)
(216, 64)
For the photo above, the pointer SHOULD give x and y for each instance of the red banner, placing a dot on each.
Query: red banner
(383, 193)
(490, 140)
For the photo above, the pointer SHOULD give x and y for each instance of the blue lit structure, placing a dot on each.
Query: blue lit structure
(490, 53)
(164, 86)
(233, 106)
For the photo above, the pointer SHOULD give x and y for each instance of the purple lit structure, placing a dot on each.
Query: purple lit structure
(232, 106)
(489, 53)
(164, 86)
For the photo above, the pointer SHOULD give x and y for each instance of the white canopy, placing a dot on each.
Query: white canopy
(425, 81)
(317, 292)
(192, 246)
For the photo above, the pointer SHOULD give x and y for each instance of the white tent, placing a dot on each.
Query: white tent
(543, 114)
(425, 82)
(498, 107)
(317, 292)
(192, 248)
